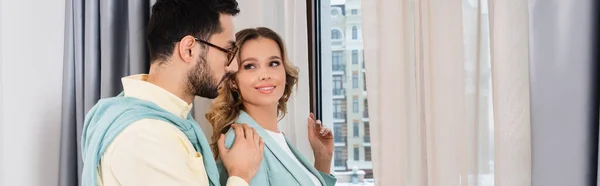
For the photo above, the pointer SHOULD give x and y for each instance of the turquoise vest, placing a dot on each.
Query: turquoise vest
(277, 167)
(112, 115)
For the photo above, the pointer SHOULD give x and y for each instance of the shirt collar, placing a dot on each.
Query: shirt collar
(136, 86)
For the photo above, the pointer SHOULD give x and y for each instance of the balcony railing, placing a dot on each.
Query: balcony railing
(367, 139)
(339, 139)
(339, 163)
(339, 115)
(339, 92)
(339, 67)
(365, 114)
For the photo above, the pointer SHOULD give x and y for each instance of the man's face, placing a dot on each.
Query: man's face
(210, 71)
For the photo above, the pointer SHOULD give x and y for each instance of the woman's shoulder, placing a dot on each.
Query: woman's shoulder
(229, 137)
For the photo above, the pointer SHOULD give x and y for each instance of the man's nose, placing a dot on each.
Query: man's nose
(233, 67)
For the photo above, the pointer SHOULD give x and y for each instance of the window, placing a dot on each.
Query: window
(355, 80)
(337, 133)
(355, 104)
(336, 34)
(338, 85)
(337, 59)
(334, 12)
(338, 109)
(354, 56)
(366, 109)
(354, 33)
(356, 158)
(364, 81)
(354, 137)
(339, 160)
(348, 23)
(367, 138)
(367, 153)
(355, 128)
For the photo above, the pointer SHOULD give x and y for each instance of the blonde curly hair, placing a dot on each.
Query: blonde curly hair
(227, 106)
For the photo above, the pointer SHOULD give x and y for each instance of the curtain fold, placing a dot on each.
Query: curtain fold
(104, 41)
(433, 98)
(509, 33)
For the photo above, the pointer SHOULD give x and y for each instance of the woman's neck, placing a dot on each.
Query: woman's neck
(265, 116)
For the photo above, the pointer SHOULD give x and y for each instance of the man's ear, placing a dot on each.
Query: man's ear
(185, 48)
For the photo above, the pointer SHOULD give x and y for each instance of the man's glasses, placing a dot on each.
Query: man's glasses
(230, 52)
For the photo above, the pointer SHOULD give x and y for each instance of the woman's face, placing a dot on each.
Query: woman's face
(261, 76)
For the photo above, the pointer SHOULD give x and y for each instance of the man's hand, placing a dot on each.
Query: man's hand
(243, 158)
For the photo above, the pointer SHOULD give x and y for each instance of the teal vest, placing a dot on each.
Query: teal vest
(277, 167)
(112, 115)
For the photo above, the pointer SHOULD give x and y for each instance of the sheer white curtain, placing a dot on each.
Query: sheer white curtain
(288, 19)
(509, 28)
(435, 118)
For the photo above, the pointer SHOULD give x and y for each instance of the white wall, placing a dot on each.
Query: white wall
(31, 50)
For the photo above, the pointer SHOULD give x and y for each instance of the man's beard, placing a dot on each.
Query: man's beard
(201, 81)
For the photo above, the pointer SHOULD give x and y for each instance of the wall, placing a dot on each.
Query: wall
(31, 53)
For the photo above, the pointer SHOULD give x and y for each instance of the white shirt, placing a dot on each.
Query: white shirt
(279, 138)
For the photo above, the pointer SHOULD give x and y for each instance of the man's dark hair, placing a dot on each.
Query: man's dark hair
(172, 20)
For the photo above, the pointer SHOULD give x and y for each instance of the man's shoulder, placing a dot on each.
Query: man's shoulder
(152, 132)
(154, 126)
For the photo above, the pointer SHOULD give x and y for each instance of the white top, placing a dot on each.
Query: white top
(279, 138)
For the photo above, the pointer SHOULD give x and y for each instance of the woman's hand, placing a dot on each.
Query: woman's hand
(321, 141)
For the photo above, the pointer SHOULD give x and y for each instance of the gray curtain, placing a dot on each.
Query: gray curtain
(564, 94)
(104, 41)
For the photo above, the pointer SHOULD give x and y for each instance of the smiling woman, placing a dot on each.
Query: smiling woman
(257, 95)
(272, 70)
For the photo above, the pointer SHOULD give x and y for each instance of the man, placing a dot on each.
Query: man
(146, 136)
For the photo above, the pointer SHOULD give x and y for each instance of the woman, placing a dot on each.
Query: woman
(257, 95)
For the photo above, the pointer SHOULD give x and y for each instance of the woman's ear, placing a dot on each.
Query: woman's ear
(233, 85)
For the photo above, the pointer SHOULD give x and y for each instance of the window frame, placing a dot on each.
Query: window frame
(354, 57)
(341, 34)
(355, 129)
(354, 32)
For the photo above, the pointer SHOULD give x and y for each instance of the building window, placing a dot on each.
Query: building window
(356, 154)
(354, 56)
(367, 135)
(354, 11)
(337, 132)
(367, 153)
(336, 34)
(355, 128)
(355, 104)
(338, 85)
(354, 32)
(355, 80)
(339, 160)
(337, 60)
(364, 81)
(338, 109)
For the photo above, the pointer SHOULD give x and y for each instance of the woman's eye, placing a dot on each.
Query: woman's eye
(249, 66)
(274, 63)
